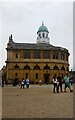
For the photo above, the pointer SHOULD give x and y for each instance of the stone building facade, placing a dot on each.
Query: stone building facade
(37, 61)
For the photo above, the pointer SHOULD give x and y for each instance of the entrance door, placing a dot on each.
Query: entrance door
(46, 77)
(15, 82)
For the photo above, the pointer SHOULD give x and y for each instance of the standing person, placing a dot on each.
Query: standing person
(55, 83)
(71, 81)
(27, 82)
(22, 83)
(2, 83)
(57, 86)
(40, 82)
(67, 83)
(60, 81)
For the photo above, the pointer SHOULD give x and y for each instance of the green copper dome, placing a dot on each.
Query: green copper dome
(43, 29)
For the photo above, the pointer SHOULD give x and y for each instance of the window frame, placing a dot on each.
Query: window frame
(27, 55)
(37, 55)
(46, 55)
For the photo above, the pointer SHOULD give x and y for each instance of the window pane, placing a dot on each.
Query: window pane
(46, 55)
(36, 75)
(62, 56)
(37, 55)
(26, 55)
(27, 67)
(37, 67)
(46, 35)
(55, 56)
(66, 58)
(39, 35)
(43, 35)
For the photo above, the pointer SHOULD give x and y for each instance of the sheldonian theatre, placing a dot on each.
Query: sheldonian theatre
(38, 61)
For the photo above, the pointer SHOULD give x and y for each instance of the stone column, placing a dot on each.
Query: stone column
(51, 55)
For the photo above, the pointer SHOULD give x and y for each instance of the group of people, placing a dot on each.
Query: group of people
(57, 82)
(23, 82)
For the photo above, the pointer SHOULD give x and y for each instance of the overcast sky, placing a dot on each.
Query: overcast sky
(23, 20)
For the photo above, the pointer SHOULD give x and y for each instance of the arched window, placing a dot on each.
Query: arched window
(39, 35)
(16, 66)
(36, 67)
(27, 67)
(46, 35)
(43, 35)
(63, 68)
(56, 68)
(46, 67)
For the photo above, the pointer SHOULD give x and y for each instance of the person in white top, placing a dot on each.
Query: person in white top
(27, 82)
(55, 83)
(22, 83)
(40, 82)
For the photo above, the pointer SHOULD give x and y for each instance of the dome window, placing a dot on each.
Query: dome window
(46, 35)
(43, 35)
(39, 35)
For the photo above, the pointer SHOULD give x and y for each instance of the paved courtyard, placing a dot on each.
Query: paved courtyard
(36, 102)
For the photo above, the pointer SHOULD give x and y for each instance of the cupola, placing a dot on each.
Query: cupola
(42, 34)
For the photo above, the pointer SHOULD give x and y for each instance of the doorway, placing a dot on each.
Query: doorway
(46, 78)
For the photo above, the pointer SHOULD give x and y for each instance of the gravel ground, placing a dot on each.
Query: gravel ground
(36, 102)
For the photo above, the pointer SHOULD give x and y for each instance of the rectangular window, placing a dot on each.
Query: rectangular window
(36, 75)
(37, 55)
(62, 56)
(26, 55)
(46, 55)
(66, 58)
(16, 55)
(55, 56)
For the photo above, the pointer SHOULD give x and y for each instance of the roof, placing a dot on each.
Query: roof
(33, 46)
